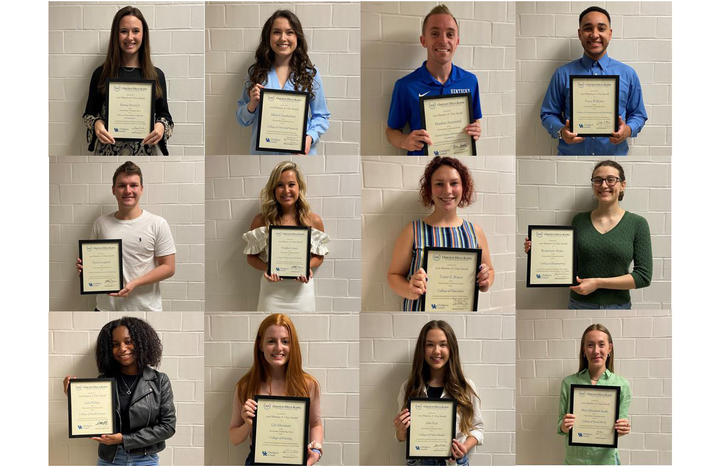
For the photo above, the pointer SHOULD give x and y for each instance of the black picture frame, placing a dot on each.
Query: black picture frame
(112, 425)
(258, 399)
(617, 390)
(110, 82)
(424, 264)
(121, 280)
(447, 401)
(589, 77)
(536, 227)
(302, 141)
(303, 229)
(425, 99)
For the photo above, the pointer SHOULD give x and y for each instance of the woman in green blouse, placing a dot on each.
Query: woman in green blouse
(595, 367)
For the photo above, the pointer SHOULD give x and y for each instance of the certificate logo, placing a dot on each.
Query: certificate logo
(436, 152)
(264, 453)
(116, 129)
(267, 139)
(580, 125)
(417, 447)
(539, 234)
(267, 406)
(580, 434)
(538, 276)
(433, 306)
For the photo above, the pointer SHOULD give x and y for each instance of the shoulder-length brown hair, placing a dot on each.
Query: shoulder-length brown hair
(113, 59)
(582, 361)
(467, 183)
(272, 210)
(298, 383)
(455, 384)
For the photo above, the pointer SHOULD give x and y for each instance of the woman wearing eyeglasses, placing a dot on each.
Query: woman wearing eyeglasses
(608, 240)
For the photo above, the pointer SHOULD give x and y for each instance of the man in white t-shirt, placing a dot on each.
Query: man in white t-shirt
(148, 250)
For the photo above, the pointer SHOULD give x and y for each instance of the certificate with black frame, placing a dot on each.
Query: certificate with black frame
(288, 251)
(130, 108)
(445, 117)
(282, 120)
(91, 407)
(280, 432)
(552, 259)
(596, 412)
(451, 284)
(594, 105)
(101, 266)
(432, 429)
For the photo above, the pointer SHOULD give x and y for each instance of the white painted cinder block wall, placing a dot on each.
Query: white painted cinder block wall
(547, 37)
(72, 337)
(552, 190)
(390, 201)
(391, 49)
(330, 353)
(548, 344)
(78, 37)
(232, 201)
(80, 192)
(232, 35)
(487, 350)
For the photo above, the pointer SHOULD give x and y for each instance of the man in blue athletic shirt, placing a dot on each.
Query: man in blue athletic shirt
(440, 37)
(595, 33)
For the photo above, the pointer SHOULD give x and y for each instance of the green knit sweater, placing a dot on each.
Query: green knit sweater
(610, 254)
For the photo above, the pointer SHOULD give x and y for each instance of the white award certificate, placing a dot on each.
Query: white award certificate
(282, 120)
(101, 266)
(130, 108)
(91, 407)
(552, 257)
(288, 251)
(594, 105)
(281, 430)
(451, 285)
(596, 411)
(444, 118)
(433, 426)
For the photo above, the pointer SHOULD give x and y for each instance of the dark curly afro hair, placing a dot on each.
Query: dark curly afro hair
(148, 347)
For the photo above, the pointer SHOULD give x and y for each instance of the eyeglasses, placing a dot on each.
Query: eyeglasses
(610, 180)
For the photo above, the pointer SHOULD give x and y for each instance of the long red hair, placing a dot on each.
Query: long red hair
(298, 383)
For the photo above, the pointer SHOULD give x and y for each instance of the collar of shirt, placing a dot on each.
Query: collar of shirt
(586, 375)
(430, 80)
(589, 63)
(273, 81)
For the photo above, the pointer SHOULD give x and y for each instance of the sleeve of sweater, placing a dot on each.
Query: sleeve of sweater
(642, 254)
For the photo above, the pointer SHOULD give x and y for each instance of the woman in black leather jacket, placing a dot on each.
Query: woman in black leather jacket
(145, 414)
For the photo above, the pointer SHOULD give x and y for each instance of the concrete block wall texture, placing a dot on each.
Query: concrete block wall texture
(80, 192)
(232, 35)
(391, 49)
(71, 340)
(390, 201)
(487, 351)
(548, 344)
(552, 190)
(330, 353)
(547, 37)
(78, 38)
(232, 201)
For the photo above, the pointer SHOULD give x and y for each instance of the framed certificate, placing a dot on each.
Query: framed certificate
(130, 108)
(445, 118)
(101, 266)
(288, 251)
(282, 120)
(280, 433)
(91, 407)
(433, 426)
(452, 283)
(596, 411)
(594, 105)
(552, 257)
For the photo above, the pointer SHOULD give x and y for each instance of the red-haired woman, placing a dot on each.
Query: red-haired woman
(446, 186)
(276, 371)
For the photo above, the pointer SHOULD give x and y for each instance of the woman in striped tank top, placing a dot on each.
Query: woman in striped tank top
(445, 186)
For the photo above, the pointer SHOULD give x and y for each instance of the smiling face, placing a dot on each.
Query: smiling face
(436, 349)
(127, 190)
(287, 190)
(603, 191)
(446, 188)
(596, 349)
(440, 38)
(123, 348)
(282, 37)
(275, 345)
(595, 34)
(130, 35)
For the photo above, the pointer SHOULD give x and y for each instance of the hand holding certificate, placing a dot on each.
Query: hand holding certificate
(451, 284)
(130, 108)
(596, 411)
(288, 251)
(432, 429)
(445, 117)
(101, 266)
(282, 120)
(594, 105)
(280, 431)
(91, 407)
(552, 257)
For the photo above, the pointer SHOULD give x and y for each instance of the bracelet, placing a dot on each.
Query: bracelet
(318, 452)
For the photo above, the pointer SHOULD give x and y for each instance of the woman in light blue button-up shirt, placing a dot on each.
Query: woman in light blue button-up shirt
(282, 62)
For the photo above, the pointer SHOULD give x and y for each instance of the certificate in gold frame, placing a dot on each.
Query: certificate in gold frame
(101, 266)
(432, 429)
(280, 432)
(91, 407)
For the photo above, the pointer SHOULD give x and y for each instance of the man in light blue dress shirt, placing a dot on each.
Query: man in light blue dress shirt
(594, 32)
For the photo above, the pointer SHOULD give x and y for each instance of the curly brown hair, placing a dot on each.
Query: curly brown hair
(148, 347)
(467, 183)
(303, 71)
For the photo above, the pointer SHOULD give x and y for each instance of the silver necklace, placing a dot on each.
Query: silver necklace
(128, 389)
